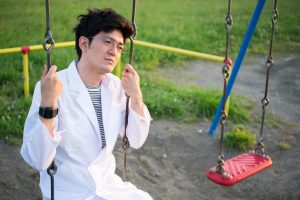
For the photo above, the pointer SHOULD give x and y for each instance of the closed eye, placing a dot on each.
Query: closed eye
(108, 41)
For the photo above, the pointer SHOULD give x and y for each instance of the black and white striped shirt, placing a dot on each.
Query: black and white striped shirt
(95, 94)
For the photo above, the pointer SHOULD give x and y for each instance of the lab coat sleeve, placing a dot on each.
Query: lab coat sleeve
(138, 127)
(39, 147)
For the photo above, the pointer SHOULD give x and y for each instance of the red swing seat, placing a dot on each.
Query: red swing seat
(239, 168)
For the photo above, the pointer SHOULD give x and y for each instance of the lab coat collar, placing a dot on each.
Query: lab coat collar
(75, 81)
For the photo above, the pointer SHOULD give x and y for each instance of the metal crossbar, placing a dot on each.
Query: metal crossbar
(26, 49)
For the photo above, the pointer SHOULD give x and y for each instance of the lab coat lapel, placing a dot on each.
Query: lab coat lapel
(82, 96)
(106, 97)
(84, 101)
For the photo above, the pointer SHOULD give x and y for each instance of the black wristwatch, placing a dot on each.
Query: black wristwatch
(48, 112)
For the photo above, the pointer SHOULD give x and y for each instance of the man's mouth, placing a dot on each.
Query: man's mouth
(111, 61)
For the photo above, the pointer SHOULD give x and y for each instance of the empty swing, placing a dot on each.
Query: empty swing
(234, 170)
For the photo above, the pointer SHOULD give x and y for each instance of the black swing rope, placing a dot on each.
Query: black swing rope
(48, 44)
(125, 143)
(269, 63)
(225, 70)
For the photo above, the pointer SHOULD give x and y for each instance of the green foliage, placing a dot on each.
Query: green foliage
(13, 114)
(192, 25)
(284, 146)
(239, 109)
(165, 100)
(239, 138)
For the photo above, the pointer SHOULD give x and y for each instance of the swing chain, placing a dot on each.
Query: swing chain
(225, 70)
(131, 38)
(51, 170)
(260, 148)
(269, 63)
(228, 19)
(220, 167)
(228, 22)
(133, 20)
(125, 142)
(275, 13)
(48, 42)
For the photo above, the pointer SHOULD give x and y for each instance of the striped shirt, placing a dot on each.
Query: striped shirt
(95, 94)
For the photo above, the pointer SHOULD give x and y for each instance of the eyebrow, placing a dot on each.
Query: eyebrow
(120, 43)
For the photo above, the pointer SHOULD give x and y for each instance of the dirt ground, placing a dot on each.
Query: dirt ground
(172, 163)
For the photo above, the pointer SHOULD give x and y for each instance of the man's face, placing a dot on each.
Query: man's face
(104, 52)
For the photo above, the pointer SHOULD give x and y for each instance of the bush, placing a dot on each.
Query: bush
(165, 100)
(239, 138)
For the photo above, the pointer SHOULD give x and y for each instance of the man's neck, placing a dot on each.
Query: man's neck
(89, 76)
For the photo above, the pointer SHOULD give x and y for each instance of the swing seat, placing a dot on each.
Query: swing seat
(239, 168)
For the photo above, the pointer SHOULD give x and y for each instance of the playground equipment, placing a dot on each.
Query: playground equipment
(236, 169)
(26, 49)
(125, 142)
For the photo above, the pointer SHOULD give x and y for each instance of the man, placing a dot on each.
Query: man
(90, 103)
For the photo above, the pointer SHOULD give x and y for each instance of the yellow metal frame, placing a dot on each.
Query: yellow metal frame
(26, 74)
(118, 67)
(180, 51)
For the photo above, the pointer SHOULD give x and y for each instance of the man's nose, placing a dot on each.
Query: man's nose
(113, 49)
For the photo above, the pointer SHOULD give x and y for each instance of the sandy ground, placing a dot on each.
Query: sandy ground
(172, 163)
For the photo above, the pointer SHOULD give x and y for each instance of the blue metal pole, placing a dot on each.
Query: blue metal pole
(239, 60)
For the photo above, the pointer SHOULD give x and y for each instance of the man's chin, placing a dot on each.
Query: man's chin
(108, 70)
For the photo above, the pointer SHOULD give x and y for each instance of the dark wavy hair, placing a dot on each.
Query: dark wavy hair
(96, 20)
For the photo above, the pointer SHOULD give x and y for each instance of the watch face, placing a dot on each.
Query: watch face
(47, 112)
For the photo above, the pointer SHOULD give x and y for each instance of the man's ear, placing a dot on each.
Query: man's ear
(83, 43)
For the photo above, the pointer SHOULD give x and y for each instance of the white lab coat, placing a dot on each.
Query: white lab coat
(84, 171)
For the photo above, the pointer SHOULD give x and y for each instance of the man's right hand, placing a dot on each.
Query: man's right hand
(51, 87)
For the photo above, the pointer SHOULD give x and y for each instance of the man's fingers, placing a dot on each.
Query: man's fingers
(44, 72)
(52, 69)
(129, 68)
(51, 72)
(127, 75)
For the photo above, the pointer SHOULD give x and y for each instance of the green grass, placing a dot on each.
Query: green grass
(188, 103)
(284, 145)
(239, 138)
(13, 116)
(192, 25)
